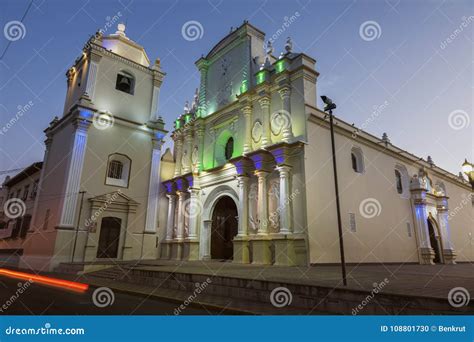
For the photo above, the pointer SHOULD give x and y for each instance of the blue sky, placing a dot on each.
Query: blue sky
(423, 82)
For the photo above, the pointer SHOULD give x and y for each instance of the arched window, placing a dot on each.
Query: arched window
(402, 181)
(357, 160)
(398, 180)
(229, 148)
(125, 82)
(118, 170)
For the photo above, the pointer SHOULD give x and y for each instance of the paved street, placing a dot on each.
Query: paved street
(45, 300)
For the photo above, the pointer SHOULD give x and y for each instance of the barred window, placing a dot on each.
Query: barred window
(115, 169)
(398, 178)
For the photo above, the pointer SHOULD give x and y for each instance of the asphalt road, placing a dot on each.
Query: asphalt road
(38, 299)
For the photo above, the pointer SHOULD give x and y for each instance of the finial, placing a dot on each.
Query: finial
(385, 138)
(121, 29)
(268, 52)
(289, 45)
(186, 107)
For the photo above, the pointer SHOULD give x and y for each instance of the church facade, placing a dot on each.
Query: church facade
(249, 178)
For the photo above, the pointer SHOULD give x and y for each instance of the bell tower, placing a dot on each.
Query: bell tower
(102, 160)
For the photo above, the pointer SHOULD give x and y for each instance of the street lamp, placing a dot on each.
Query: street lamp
(329, 105)
(468, 170)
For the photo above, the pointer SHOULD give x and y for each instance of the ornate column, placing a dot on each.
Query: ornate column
(74, 173)
(187, 150)
(285, 93)
(171, 215)
(262, 202)
(194, 212)
(243, 182)
(179, 150)
(286, 226)
(153, 187)
(200, 145)
(181, 199)
(158, 77)
(247, 111)
(265, 105)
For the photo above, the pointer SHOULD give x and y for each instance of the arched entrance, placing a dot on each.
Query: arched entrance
(224, 228)
(435, 240)
(109, 238)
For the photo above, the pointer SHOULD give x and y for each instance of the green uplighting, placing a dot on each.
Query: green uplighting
(261, 77)
(177, 124)
(187, 118)
(280, 66)
(244, 87)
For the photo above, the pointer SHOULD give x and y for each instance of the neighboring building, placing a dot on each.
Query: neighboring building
(98, 197)
(253, 177)
(17, 198)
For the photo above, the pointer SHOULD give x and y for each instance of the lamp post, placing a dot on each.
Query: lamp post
(468, 170)
(329, 105)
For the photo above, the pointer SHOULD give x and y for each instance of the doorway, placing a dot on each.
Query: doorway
(224, 228)
(109, 238)
(435, 241)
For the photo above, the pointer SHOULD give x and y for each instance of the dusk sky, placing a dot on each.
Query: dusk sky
(416, 69)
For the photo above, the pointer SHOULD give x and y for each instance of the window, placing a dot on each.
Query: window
(46, 219)
(25, 192)
(402, 181)
(118, 170)
(398, 179)
(115, 169)
(34, 190)
(125, 82)
(229, 148)
(357, 160)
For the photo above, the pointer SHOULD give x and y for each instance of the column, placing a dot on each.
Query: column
(92, 74)
(153, 188)
(247, 111)
(158, 77)
(179, 150)
(287, 133)
(203, 67)
(200, 144)
(262, 202)
(265, 105)
(171, 214)
(445, 231)
(181, 198)
(188, 146)
(286, 226)
(73, 180)
(194, 212)
(154, 104)
(243, 182)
